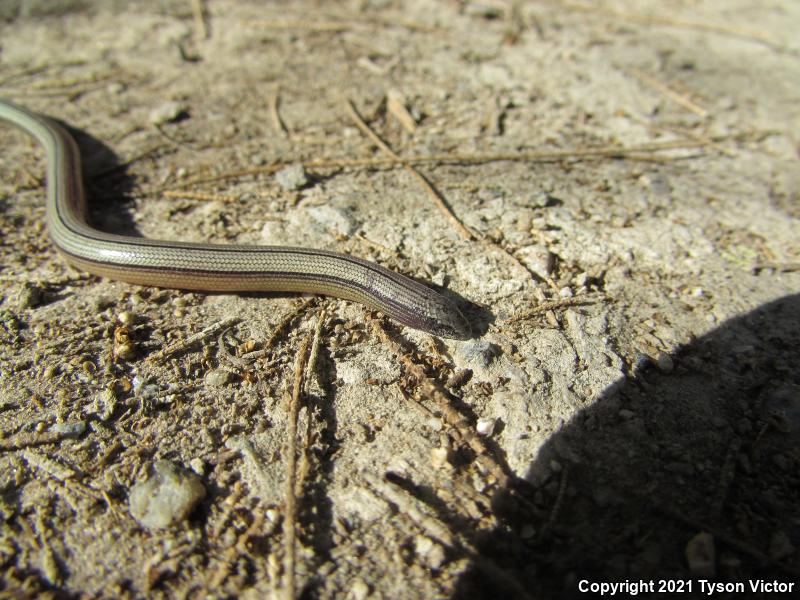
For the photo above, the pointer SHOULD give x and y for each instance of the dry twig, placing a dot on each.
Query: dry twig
(180, 345)
(275, 115)
(454, 158)
(433, 390)
(548, 306)
(435, 196)
(676, 97)
(291, 471)
(643, 19)
(199, 15)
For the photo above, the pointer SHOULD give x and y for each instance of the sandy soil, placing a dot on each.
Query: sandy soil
(629, 408)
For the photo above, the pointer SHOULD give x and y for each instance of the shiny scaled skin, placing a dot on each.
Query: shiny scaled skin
(216, 267)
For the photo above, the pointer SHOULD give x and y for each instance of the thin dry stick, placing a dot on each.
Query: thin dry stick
(199, 14)
(10, 76)
(681, 99)
(433, 390)
(414, 512)
(59, 472)
(396, 107)
(226, 356)
(552, 305)
(53, 87)
(314, 26)
(466, 493)
(305, 464)
(28, 440)
(726, 476)
(312, 361)
(291, 471)
(334, 26)
(84, 335)
(209, 331)
(275, 115)
(670, 22)
(726, 538)
(534, 156)
(774, 266)
(435, 196)
(280, 328)
(202, 196)
(277, 331)
(557, 505)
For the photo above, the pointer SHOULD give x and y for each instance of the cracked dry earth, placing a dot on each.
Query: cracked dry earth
(626, 175)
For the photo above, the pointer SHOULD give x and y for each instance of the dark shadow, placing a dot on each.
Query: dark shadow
(110, 214)
(478, 316)
(107, 185)
(316, 507)
(706, 444)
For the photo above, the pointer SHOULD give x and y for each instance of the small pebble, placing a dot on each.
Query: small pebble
(273, 515)
(25, 296)
(641, 361)
(167, 496)
(217, 377)
(9, 321)
(434, 424)
(438, 457)
(429, 551)
(168, 112)
(124, 350)
(538, 259)
(359, 590)
(333, 219)
(115, 88)
(198, 465)
(76, 429)
(700, 555)
(485, 427)
(479, 352)
(292, 177)
(105, 404)
(480, 9)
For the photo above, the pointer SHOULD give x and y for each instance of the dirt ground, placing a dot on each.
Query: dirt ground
(627, 178)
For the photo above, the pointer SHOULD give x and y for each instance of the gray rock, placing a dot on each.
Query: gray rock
(25, 295)
(168, 112)
(333, 219)
(478, 354)
(217, 377)
(167, 497)
(292, 177)
(74, 429)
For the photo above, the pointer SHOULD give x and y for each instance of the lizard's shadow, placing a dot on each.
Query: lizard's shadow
(707, 444)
